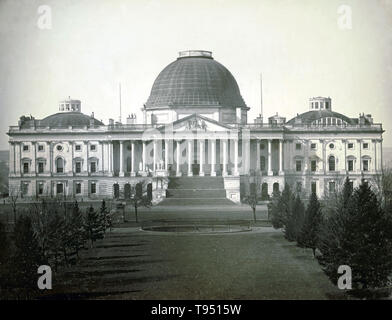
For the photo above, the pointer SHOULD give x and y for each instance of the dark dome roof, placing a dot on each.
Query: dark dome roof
(195, 81)
(310, 116)
(66, 119)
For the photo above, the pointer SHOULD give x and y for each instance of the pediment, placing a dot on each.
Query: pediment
(196, 122)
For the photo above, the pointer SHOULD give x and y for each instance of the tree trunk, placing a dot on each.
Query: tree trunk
(136, 213)
(314, 252)
(254, 214)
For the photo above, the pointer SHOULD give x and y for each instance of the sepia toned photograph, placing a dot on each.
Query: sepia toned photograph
(172, 150)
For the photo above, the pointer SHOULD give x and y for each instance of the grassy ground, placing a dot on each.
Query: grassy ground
(134, 264)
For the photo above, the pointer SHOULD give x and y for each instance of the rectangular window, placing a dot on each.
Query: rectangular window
(366, 145)
(314, 187)
(350, 145)
(299, 186)
(25, 148)
(297, 146)
(331, 186)
(59, 188)
(40, 188)
(78, 147)
(313, 146)
(25, 167)
(93, 167)
(93, 188)
(298, 165)
(326, 104)
(350, 165)
(313, 165)
(40, 147)
(365, 165)
(78, 167)
(40, 167)
(93, 147)
(78, 188)
(316, 104)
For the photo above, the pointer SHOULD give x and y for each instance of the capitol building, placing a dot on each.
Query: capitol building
(195, 127)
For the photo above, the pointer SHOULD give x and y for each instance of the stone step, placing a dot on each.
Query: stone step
(196, 183)
(196, 202)
(196, 193)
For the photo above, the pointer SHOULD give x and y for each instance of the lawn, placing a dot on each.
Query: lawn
(134, 264)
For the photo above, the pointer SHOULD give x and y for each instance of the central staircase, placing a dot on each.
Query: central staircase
(196, 191)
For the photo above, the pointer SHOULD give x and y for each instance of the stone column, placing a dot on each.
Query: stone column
(178, 153)
(155, 155)
(110, 158)
(71, 144)
(102, 157)
(190, 173)
(236, 157)
(375, 155)
(50, 157)
(257, 154)
(281, 172)
(345, 155)
(34, 160)
(201, 145)
(224, 171)
(323, 153)
(213, 156)
(86, 145)
(359, 141)
(133, 173)
(144, 156)
(166, 155)
(270, 172)
(121, 174)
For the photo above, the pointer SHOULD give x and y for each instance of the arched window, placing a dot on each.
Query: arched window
(331, 163)
(59, 165)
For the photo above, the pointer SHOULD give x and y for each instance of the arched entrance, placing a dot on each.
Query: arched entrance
(264, 191)
(116, 191)
(127, 191)
(149, 191)
(275, 187)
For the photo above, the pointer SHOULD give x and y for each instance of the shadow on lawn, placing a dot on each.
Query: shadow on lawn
(83, 295)
(98, 273)
(108, 246)
(117, 257)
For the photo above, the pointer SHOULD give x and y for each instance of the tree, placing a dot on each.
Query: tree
(14, 194)
(137, 200)
(93, 226)
(358, 235)
(251, 200)
(294, 220)
(309, 234)
(274, 207)
(27, 256)
(78, 232)
(106, 217)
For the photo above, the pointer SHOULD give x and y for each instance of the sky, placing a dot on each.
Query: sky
(301, 47)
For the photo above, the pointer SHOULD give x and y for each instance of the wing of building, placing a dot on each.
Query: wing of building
(195, 123)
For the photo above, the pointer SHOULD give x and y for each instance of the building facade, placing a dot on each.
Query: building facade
(195, 122)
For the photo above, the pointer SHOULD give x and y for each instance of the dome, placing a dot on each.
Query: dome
(310, 116)
(195, 79)
(66, 119)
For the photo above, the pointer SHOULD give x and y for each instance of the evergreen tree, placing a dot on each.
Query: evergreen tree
(57, 230)
(93, 226)
(27, 256)
(274, 207)
(309, 234)
(106, 218)
(295, 220)
(362, 241)
(78, 232)
(4, 245)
